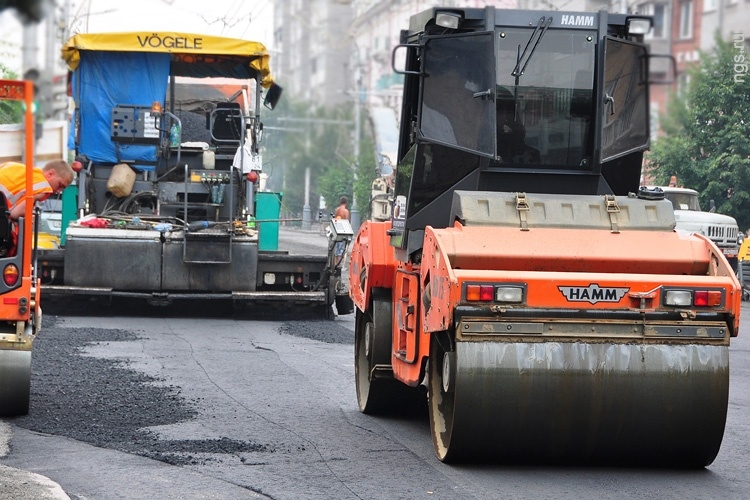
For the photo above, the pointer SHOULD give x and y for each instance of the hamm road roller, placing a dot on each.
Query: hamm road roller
(541, 297)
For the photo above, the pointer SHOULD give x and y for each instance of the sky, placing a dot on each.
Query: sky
(246, 19)
(233, 18)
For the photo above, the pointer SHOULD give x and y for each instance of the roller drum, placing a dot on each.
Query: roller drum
(15, 382)
(566, 402)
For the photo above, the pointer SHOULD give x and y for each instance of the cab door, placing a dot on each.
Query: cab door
(457, 108)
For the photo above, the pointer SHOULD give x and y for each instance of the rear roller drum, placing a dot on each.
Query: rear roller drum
(15, 382)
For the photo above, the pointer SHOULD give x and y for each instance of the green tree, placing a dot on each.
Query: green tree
(366, 172)
(298, 138)
(335, 182)
(707, 133)
(339, 178)
(10, 111)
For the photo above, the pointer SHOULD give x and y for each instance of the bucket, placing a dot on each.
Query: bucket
(121, 180)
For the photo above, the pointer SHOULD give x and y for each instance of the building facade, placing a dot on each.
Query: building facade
(311, 53)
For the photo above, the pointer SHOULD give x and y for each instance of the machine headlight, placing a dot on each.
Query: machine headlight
(269, 278)
(639, 25)
(509, 294)
(449, 20)
(678, 298)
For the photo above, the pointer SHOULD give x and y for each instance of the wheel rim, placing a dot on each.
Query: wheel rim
(363, 365)
(441, 399)
(368, 340)
(449, 360)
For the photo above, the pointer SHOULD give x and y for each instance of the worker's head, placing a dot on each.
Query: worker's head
(343, 200)
(59, 174)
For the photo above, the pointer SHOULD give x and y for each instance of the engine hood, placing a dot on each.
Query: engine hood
(695, 217)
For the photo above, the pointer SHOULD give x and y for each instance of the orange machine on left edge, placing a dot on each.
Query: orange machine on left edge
(20, 311)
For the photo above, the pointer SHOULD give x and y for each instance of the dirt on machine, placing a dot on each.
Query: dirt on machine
(170, 203)
(20, 308)
(524, 280)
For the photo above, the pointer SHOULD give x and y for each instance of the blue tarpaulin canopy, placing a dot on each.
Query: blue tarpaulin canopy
(105, 80)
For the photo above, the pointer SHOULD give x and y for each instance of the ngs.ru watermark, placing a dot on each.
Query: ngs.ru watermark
(740, 58)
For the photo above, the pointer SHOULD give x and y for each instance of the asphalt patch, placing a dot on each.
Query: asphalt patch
(105, 403)
(322, 330)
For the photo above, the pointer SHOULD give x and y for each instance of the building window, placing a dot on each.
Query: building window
(686, 19)
(659, 13)
(683, 82)
(710, 5)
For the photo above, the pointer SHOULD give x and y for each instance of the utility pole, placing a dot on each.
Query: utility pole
(306, 215)
(354, 212)
(306, 211)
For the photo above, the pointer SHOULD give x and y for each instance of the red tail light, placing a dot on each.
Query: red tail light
(10, 275)
(707, 298)
(483, 293)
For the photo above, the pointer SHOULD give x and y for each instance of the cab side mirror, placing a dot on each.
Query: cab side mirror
(272, 96)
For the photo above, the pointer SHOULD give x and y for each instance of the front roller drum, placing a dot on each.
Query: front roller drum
(15, 382)
(565, 402)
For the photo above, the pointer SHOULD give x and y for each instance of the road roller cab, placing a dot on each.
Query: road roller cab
(544, 301)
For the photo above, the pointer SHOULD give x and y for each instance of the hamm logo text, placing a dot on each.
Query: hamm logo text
(592, 293)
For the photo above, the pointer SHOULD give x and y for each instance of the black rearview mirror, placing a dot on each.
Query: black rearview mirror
(272, 96)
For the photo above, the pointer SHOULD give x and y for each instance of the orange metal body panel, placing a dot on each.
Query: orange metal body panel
(372, 262)
(642, 261)
(573, 250)
(9, 303)
(411, 344)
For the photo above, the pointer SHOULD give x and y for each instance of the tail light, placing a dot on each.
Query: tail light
(10, 275)
(508, 294)
(693, 298)
(480, 293)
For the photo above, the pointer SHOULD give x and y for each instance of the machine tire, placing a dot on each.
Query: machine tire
(15, 382)
(376, 392)
(371, 348)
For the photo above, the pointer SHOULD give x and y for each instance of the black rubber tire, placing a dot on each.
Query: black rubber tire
(15, 382)
(372, 346)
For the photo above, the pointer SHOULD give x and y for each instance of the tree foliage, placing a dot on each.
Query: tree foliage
(707, 133)
(10, 111)
(299, 138)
